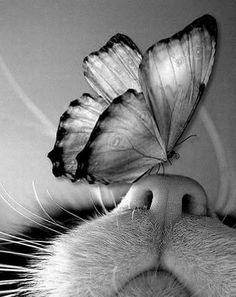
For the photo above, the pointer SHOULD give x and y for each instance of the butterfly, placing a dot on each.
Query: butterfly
(143, 106)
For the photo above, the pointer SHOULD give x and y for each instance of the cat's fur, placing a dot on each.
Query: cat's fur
(147, 246)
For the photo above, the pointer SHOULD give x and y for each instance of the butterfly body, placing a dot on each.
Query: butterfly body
(148, 103)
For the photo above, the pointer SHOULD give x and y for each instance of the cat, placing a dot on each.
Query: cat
(161, 240)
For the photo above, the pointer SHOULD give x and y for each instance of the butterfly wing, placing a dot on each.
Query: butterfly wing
(123, 144)
(113, 69)
(173, 75)
(74, 130)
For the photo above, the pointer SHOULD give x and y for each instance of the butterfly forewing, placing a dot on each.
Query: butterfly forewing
(74, 130)
(173, 74)
(113, 69)
(123, 145)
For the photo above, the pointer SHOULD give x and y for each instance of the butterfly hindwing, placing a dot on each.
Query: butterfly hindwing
(74, 130)
(123, 144)
(173, 75)
(113, 69)
(110, 71)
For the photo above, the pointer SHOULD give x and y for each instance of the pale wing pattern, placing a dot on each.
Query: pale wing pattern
(173, 74)
(113, 69)
(110, 71)
(123, 144)
(74, 130)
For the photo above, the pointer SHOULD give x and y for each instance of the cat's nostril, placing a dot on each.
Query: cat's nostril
(142, 201)
(191, 205)
(186, 203)
(147, 199)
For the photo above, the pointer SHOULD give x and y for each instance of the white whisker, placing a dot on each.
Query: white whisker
(21, 239)
(93, 203)
(44, 211)
(99, 195)
(25, 244)
(36, 243)
(132, 214)
(97, 211)
(223, 219)
(13, 292)
(117, 219)
(23, 207)
(65, 210)
(19, 254)
(12, 281)
(28, 218)
(8, 295)
(112, 198)
(5, 267)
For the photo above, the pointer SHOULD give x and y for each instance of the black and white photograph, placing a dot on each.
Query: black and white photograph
(118, 149)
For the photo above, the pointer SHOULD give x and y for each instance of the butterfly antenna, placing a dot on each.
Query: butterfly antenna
(147, 172)
(159, 166)
(163, 168)
(178, 143)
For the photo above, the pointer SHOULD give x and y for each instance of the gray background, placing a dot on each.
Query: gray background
(42, 47)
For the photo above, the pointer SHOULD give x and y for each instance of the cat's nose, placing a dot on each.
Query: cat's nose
(167, 197)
